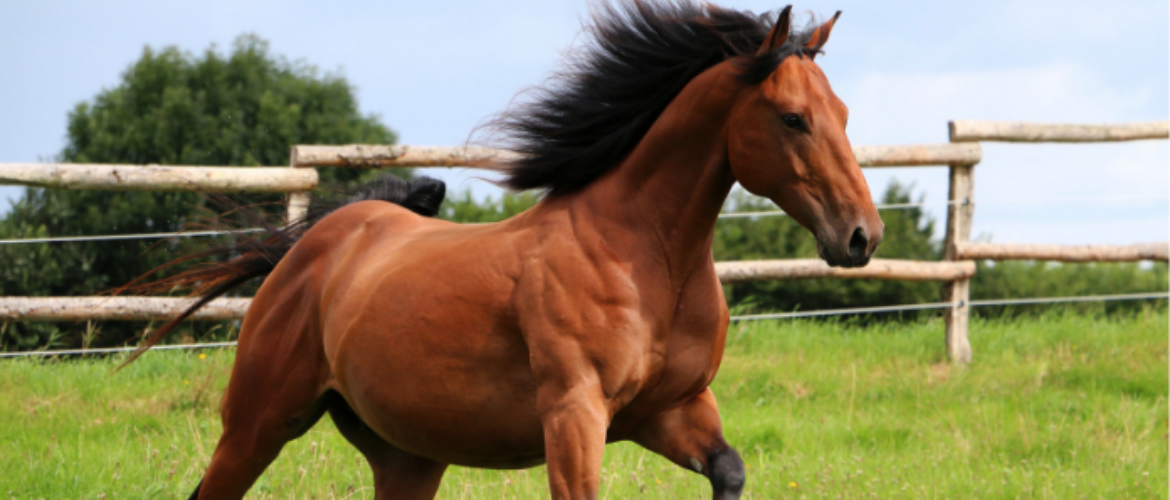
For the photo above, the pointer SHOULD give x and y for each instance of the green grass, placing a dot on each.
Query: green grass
(1061, 406)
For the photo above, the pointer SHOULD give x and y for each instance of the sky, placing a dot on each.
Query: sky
(434, 70)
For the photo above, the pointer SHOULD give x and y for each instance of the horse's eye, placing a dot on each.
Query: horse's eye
(794, 121)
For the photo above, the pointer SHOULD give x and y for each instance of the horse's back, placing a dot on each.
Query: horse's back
(290, 298)
(311, 267)
(375, 258)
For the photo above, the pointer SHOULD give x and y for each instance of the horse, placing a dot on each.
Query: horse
(594, 317)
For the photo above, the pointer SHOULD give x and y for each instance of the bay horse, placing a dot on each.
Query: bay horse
(594, 317)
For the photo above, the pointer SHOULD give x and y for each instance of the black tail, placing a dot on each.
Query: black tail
(256, 256)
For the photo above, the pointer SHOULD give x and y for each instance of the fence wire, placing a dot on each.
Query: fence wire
(747, 317)
(944, 305)
(113, 350)
(722, 216)
(115, 237)
(905, 206)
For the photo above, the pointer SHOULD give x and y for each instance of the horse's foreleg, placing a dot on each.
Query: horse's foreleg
(575, 421)
(398, 475)
(692, 437)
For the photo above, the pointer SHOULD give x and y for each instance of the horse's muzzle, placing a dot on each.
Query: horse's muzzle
(853, 253)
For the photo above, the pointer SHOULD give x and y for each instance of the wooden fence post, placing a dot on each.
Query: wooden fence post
(298, 201)
(958, 292)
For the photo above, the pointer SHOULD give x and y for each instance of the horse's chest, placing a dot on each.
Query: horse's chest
(684, 358)
(694, 346)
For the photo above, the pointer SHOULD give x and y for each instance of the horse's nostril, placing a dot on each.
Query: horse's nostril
(858, 244)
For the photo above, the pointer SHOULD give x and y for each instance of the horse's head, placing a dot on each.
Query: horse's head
(787, 142)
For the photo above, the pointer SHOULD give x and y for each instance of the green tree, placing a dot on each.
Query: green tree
(172, 108)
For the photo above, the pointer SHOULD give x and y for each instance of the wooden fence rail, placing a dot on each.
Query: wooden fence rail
(375, 156)
(384, 156)
(1064, 253)
(157, 178)
(885, 269)
(115, 308)
(978, 130)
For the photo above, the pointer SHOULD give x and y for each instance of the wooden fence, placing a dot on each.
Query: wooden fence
(962, 209)
(955, 271)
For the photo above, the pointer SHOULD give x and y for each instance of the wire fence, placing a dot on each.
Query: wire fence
(944, 305)
(113, 350)
(906, 206)
(139, 236)
(747, 317)
(723, 216)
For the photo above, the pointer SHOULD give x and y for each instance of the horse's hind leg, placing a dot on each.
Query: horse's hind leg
(398, 475)
(276, 393)
(692, 437)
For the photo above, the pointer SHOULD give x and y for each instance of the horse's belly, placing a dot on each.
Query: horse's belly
(466, 398)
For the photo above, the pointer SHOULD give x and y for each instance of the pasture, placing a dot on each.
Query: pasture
(1064, 405)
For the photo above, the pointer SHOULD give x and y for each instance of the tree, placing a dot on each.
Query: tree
(243, 109)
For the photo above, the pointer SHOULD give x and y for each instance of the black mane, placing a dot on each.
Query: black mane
(642, 53)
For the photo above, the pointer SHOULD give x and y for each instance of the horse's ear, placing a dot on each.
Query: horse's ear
(820, 35)
(779, 33)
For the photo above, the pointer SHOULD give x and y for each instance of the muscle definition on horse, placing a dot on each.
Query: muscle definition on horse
(594, 317)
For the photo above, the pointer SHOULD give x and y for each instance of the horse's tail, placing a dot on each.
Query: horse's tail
(252, 257)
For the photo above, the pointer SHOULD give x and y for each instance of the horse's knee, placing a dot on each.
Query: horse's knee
(726, 472)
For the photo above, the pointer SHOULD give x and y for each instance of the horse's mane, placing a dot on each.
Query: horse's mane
(640, 55)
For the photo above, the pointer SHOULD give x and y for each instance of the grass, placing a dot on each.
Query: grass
(1059, 406)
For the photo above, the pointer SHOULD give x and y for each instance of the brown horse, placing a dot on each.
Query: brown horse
(594, 317)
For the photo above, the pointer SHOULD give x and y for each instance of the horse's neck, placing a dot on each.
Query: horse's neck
(668, 192)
